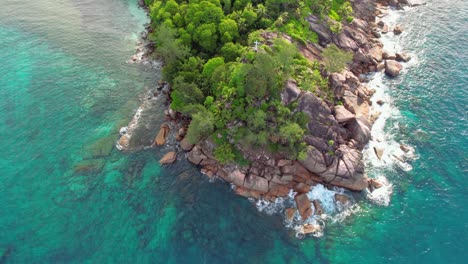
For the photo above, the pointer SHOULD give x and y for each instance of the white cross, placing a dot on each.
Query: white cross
(256, 45)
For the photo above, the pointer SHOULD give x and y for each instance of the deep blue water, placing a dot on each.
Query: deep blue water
(68, 196)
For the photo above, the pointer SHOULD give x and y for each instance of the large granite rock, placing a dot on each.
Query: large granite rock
(318, 207)
(322, 124)
(237, 178)
(290, 93)
(342, 115)
(278, 190)
(392, 68)
(196, 155)
(256, 183)
(303, 205)
(355, 103)
(315, 161)
(346, 170)
(317, 142)
(185, 145)
(337, 82)
(360, 130)
(376, 53)
(321, 28)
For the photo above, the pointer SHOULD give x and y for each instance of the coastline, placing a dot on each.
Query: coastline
(320, 198)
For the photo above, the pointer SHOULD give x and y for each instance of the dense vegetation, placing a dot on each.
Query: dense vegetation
(227, 73)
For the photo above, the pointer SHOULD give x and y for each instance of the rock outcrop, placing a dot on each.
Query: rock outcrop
(186, 145)
(337, 130)
(346, 169)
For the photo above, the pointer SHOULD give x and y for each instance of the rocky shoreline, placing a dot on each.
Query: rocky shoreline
(336, 136)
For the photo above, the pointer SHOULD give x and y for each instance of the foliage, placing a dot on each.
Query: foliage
(200, 127)
(168, 46)
(335, 59)
(224, 153)
(231, 89)
(300, 31)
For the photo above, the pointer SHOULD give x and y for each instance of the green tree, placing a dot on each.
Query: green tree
(291, 132)
(249, 15)
(228, 30)
(200, 127)
(262, 78)
(285, 54)
(257, 120)
(346, 11)
(168, 47)
(211, 65)
(185, 94)
(231, 51)
(335, 59)
(207, 37)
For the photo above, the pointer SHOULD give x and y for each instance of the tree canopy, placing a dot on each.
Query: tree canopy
(227, 75)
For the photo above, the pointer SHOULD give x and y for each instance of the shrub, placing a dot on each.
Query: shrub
(200, 127)
(335, 59)
(224, 153)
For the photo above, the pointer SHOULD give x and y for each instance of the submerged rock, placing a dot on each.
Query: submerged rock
(403, 56)
(378, 152)
(375, 184)
(87, 167)
(318, 207)
(169, 158)
(290, 213)
(162, 135)
(311, 228)
(341, 198)
(398, 30)
(404, 148)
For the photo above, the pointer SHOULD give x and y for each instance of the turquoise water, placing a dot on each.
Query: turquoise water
(68, 196)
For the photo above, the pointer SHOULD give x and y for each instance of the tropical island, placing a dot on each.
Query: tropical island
(270, 95)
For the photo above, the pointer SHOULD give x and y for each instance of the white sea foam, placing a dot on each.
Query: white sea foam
(325, 196)
(333, 211)
(127, 131)
(382, 195)
(395, 154)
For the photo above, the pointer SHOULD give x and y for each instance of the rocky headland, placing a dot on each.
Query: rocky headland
(336, 133)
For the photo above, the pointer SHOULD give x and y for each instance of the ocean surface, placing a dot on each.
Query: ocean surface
(67, 195)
